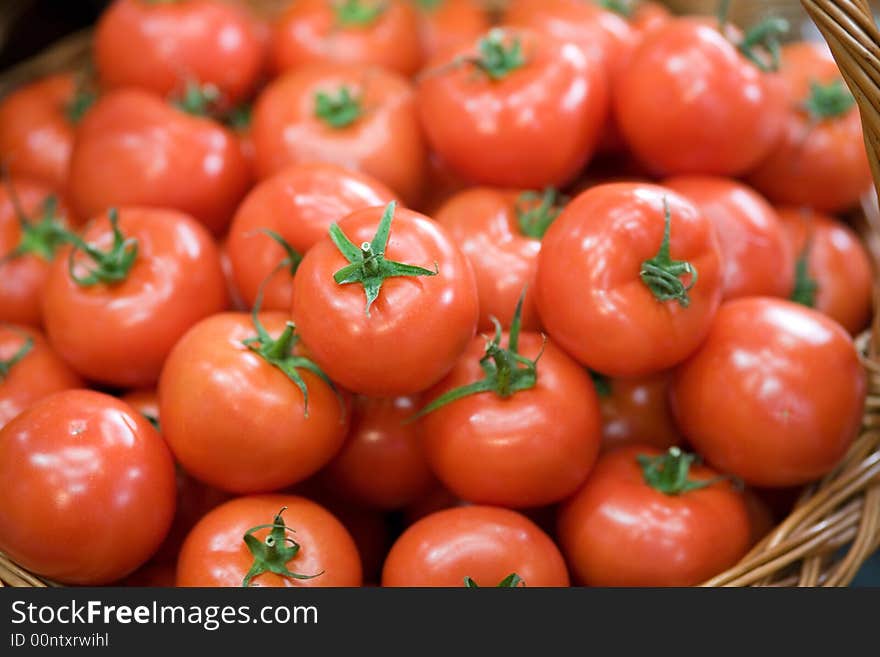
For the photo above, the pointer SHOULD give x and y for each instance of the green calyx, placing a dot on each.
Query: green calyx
(805, 287)
(624, 8)
(198, 99)
(663, 275)
(828, 101)
(536, 211)
(21, 352)
(367, 263)
(83, 99)
(428, 5)
(602, 383)
(668, 473)
(340, 110)
(761, 44)
(357, 13)
(152, 419)
(512, 581)
(496, 59)
(40, 238)
(110, 266)
(274, 552)
(239, 117)
(291, 259)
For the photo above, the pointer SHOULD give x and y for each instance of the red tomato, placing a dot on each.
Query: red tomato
(299, 203)
(833, 270)
(820, 161)
(29, 237)
(118, 328)
(608, 296)
(146, 402)
(88, 488)
(382, 464)
(375, 32)
(161, 46)
(690, 103)
(443, 183)
(756, 256)
(134, 149)
(515, 110)
(358, 117)
(234, 419)
(760, 516)
(774, 395)
(418, 325)
(648, 16)
(483, 543)
(636, 411)
(306, 540)
(29, 370)
(444, 24)
(622, 529)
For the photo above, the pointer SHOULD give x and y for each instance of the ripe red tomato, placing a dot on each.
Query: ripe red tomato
(29, 370)
(162, 46)
(29, 236)
(517, 109)
(294, 536)
(756, 257)
(375, 32)
(833, 270)
(88, 488)
(382, 464)
(485, 544)
(718, 117)
(649, 518)
(636, 411)
(134, 149)
(412, 326)
(774, 395)
(444, 24)
(234, 414)
(299, 203)
(820, 161)
(618, 292)
(648, 16)
(117, 315)
(359, 117)
(146, 402)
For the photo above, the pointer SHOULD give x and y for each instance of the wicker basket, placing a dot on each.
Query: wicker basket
(835, 525)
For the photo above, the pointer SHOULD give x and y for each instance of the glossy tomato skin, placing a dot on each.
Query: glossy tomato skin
(531, 449)
(720, 117)
(385, 141)
(837, 262)
(484, 543)
(757, 258)
(483, 223)
(309, 32)
(821, 164)
(418, 326)
(774, 395)
(619, 531)
(637, 411)
(23, 278)
(214, 553)
(39, 374)
(36, 136)
(299, 203)
(499, 132)
(590, 296)
(162, 46)
(134, 149)
(382, 464)
(99, 499)
(120, 334)
(238, 423)
(446, 24)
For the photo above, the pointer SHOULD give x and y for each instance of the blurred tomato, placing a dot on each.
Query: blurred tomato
(636, 411)
(444, 24)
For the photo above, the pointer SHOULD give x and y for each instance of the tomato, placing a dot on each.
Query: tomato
(517, 109)
(299, 203)
(443, 184)
(29, 236)
(648, 16)
(485, 544)
(355, 116)
(375, 32)
(833, 269)
(116, 317)
(88, 488)
(304, 539)
(435, 500)
(617, 291)
(444, 24)
(235, 415)
(37, 129)
(690, 103)
(162, 46)
(146, 402)
(820, 161)
(636, 411)
(757, 258)
(774, 395)
(134, 149)
(761, 518)
(382, 464)
(162, 575)
(415, 321)
(500, 233)
(29, 370)
(649, 518)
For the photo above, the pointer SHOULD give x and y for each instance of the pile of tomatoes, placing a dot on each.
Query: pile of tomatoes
(434, 293)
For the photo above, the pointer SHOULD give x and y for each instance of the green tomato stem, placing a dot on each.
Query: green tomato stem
(534, 220)
(7, 365)
(663, 275)
(273, 553)
(805, 287)
(669, 472)
(338, 111)
(111, 266)
(357, 13)
(828, 101)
